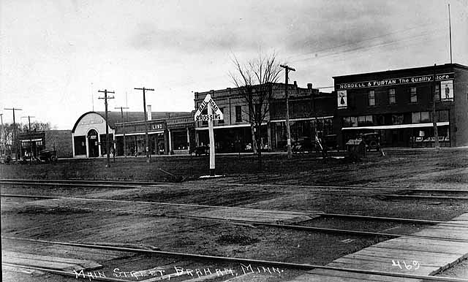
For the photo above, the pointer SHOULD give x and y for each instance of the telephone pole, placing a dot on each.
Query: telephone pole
(146, 120)
(450, 33)
(2, 137)
(107, 126)
(30, 138)
(123, 129)
(14, 141)
(288, 130)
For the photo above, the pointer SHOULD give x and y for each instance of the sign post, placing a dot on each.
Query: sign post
(212, 143)
(214, 113)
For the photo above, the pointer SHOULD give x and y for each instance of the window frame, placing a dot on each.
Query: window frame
(371, 98)
(238, 113)
(413, 95)
(392, 96)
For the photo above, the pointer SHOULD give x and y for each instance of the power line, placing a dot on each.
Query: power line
(367, 47)
(368, 39)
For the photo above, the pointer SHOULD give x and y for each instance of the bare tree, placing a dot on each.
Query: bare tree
(36, 126)
(254, 82)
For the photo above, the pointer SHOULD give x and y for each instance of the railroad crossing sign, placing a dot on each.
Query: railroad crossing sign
(216, 112)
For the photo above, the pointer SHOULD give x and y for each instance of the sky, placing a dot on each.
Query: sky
(55, 55)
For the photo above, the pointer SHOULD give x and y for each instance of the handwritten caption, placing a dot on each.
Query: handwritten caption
(414, 265)
(177, 272)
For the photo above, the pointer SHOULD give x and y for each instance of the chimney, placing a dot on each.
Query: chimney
(295, 84)
(148, 111)
(309, 85)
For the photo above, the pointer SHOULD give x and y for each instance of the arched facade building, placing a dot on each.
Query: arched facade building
(127, 133)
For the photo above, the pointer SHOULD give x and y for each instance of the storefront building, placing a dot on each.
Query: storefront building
(31, 143)
(127, 133)
(310, 111)
(399, 105)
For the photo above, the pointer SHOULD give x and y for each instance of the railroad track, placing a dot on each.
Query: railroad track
(82, 183)
(191, 256)
(383, 193)
(175, 214)
(277, 264)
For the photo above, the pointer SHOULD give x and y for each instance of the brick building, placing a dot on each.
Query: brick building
(310, 111)
(398, 105)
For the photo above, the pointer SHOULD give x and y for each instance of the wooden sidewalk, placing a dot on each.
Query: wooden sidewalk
(403, 255)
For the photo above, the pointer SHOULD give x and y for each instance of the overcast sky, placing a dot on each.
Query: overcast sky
(57, 54)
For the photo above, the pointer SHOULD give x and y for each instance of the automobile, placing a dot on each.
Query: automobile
(201, 150)
(372, 141)
(48, 156)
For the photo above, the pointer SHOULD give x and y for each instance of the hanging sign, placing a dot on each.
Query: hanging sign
(342, 99)
(447, 90)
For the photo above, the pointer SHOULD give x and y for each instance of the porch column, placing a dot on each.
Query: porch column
(99, 144)
(269, 136)
(188, 139)
(170, 140)
(87, 145)
(73, 145)
(166, 152)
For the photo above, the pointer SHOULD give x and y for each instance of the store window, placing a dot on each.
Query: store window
(347, 122)
(371, 98)
(397, 119)
(365, 120)
(238, 113)
(425, 117)
(421, 117)
(354, 121)
(416, 117)
(413, 95)
(391, 96)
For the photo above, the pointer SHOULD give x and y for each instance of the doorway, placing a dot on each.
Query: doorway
(93, 143)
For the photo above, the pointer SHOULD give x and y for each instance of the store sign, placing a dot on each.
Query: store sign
(208, 101)
(446, 90)
(342, 99)
(157, 126)
(394, 81)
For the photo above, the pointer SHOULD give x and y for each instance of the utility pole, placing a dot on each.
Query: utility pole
(434, 115)
(123, 129)
(107, 126)
(450, 33)
(30, 138)
(2, 137)
(288, 130)
(15, 135)
(146, 121)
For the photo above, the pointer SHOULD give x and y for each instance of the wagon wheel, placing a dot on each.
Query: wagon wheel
(53, 159)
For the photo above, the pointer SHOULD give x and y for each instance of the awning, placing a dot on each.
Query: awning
(301, 119)
(227, 126)
(396, 126)
(140, 133)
